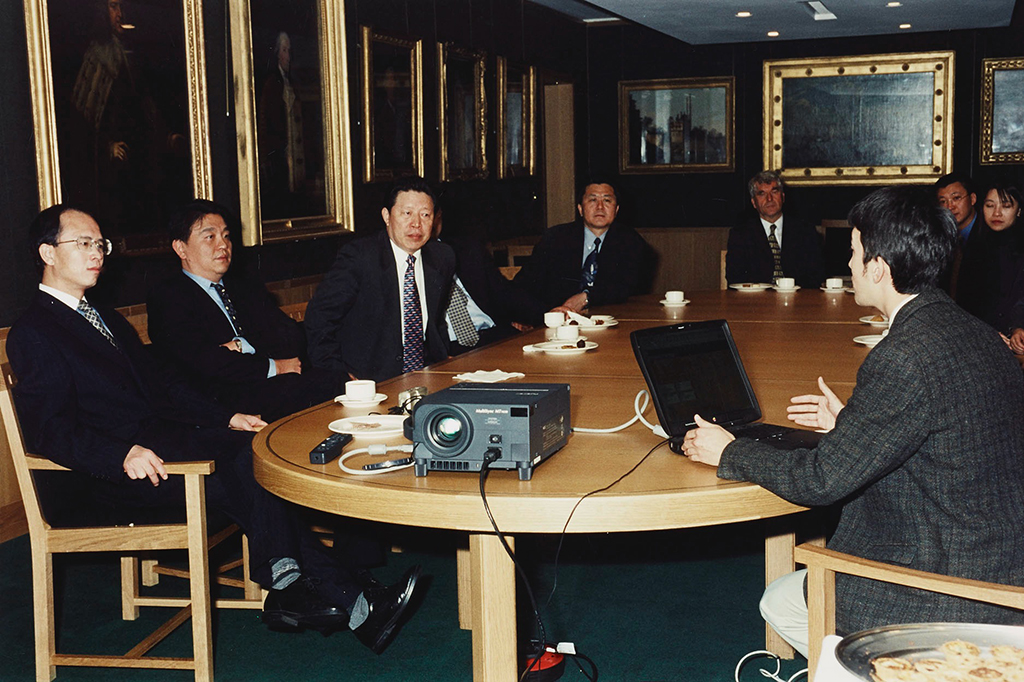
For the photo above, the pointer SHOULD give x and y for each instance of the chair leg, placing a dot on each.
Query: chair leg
(821, 613)
(464, 581)
(42, 605)
(129, 587)
(199, 578)
(253, 591)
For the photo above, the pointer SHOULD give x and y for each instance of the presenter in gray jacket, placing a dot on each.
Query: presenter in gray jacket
(927, 458)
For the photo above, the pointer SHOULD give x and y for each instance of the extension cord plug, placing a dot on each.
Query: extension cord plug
(660, 432)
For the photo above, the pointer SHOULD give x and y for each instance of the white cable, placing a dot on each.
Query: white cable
(765, 673)
(375, 449)
(638, 411)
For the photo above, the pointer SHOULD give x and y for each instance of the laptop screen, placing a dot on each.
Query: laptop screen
(694, 367)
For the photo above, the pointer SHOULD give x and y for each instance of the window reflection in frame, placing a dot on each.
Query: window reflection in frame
(461, 113)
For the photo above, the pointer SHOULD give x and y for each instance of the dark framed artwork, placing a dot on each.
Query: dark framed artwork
(865, 120)
(517, 109)
(1002, 111)
(292, 120)
(119, 111)
(682, 125)
(461, 113)
(392, 87)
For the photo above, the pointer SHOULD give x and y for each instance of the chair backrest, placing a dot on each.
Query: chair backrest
(509, 271)
(15, 443)
(723, 284)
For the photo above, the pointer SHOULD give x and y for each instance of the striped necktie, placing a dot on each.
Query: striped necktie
(89, 313)
(229, 306)
(590, 267)
(412, 344)
(776, 255)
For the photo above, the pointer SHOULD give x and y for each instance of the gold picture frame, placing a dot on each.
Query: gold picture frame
(517, 111)
(290, 188)
(125, 155)
(1002, 109)
(820, 118)
(679, 125)
(461, 113)
(392, 90)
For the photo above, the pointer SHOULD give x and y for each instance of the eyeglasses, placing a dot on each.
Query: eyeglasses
(86, 243)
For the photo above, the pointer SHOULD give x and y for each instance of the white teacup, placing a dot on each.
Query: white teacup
(554, 319)
(834, 283)
(360, 390)
(674, 296)
(785, 283)
(567, 332)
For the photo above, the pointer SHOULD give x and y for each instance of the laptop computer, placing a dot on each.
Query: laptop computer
(694, 368)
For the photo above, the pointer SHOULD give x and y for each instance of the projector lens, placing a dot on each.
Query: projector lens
(448, 430)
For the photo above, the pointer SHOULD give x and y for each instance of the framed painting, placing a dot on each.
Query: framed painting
(1002, 111)
(392, 87)
(291, 119)
(517, 110)
(683, 125)
(461, 113)
(119, 111)
(865, 120)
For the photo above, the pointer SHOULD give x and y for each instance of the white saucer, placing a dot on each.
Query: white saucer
(674, 304)
(750, 286)
(840, 290)
(869, 319)
(605, 322)
(788, 290)
(869, 340)
(373, 425)
(564, 347)
(357, 404)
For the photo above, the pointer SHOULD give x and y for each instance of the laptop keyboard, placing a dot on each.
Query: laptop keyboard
(759, 431)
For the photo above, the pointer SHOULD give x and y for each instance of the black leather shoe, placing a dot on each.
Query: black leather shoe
(300, 606)
(386, 607)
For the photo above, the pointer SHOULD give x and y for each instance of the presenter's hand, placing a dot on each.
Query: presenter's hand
(705, 443)
(119, 151)
(289, 365)
(142, 462)
(1016, 341)
(574, 303)
(816, 411)
(246, 422)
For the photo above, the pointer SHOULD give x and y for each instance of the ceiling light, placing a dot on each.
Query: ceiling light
(819, 11)
(773, 34)
(904, 26)
(743, 15)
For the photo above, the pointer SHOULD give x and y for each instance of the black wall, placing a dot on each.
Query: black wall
(594, 59)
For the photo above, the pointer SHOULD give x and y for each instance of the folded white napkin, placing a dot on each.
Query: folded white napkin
(482, 377)
(579, 318)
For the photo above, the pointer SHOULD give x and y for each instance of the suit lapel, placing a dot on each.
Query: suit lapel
(391, 294)
(81, 329)
(210, 310)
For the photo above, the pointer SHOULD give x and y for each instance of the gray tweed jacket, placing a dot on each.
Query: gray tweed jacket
(928, 460)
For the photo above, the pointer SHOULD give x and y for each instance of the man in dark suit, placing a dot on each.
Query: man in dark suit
(591, 262)
(227, 335)
(955, 191)
(379, 311)
(767, 246)
(91, 398)
(931, 478)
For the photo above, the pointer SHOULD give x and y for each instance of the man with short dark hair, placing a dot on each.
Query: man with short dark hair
(926, 455)
(590, 262)
(768, 245)
(955, 191)
(91, 398)
(379, 311)
(224, 333)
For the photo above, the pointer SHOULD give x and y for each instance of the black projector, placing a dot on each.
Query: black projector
(455, 428)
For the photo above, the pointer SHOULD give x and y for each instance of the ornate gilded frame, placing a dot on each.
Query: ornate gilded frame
(998, 110)
(372, 169)
(44, 116)
(714, 92)
(866, 73)
(448, 132)
(337, 152)
(524, 125)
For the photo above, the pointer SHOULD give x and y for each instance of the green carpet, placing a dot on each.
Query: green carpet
(669, 606)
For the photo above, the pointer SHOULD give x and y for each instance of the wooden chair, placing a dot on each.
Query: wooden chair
(509, 271)
(47, 540)
(723, 284)
(823, 564)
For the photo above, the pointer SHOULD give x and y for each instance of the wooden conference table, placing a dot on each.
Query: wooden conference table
(786, 341)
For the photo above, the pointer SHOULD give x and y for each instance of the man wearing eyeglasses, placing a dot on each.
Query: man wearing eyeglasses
(91, 398)
(955, 192)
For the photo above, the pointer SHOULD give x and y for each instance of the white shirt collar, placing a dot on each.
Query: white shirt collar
(898, 308)
(64, 297)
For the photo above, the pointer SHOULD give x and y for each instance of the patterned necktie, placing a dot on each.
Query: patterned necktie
(412, 344)
(229, 306)
(89, 313)
(590, 267)
(776, 255)
(458, 315)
